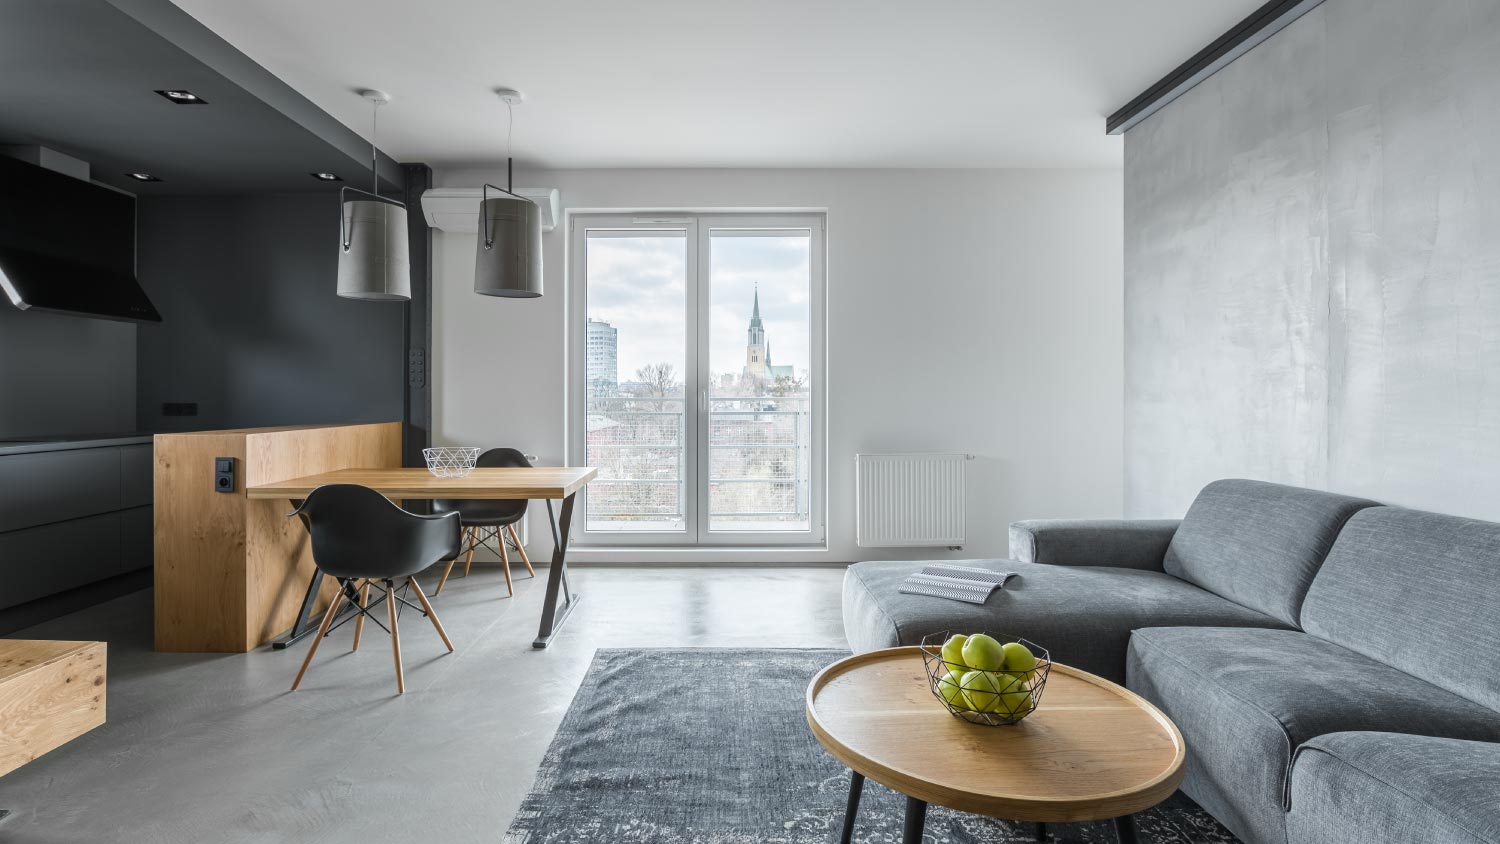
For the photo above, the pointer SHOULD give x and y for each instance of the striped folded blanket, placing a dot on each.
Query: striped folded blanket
(958, 583)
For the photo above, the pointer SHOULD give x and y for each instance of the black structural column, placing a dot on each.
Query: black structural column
(416, 428)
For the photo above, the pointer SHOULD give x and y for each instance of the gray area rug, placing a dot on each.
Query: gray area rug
(711, 746)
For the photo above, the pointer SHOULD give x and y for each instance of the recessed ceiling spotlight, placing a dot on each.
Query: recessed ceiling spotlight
(144, 177)
(181, 97)
(326, 177)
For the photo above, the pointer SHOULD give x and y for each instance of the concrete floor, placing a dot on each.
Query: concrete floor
(213, 748)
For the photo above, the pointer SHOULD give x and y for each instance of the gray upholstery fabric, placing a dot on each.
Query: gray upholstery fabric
(1385, 787)
(1419, 591)
(1258, 544)
(1083, 615)
(1128, 544)
(1246, 699)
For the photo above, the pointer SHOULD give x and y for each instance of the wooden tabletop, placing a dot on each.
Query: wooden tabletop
(1092, 750)
(506, 483)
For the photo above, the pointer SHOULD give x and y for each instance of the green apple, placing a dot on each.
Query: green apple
(1018, 660)
(1014, 704)
(983, 653)
(948, 689)
(983, 688)
(953, 653)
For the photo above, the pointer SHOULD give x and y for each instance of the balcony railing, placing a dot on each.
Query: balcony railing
(759, 472)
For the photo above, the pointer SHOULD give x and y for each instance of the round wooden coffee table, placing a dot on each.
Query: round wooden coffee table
(1092, 750)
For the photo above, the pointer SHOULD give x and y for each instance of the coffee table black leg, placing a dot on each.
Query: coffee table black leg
(1041, 831)
(916, 819)
(1125, 829)
(856, 788)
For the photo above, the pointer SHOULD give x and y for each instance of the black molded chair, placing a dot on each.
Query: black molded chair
(484, 519)
(360, 535)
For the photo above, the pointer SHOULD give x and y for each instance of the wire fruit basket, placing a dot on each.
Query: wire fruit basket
(450, 461)
(991, 698)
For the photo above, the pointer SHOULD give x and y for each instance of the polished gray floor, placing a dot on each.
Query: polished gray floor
(213, 748)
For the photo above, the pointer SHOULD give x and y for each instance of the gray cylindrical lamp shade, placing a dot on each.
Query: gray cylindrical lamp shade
(376, 263)
(511, 264)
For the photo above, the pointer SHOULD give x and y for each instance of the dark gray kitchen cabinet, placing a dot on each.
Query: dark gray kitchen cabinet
(72, 514)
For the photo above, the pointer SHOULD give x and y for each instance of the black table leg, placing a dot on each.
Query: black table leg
(552, 618)
(856, 788)
(1125, 829)
(1041, 831)
(916, 819)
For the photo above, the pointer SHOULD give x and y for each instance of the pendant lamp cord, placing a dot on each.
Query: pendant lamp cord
(510, 125)
(374, 161)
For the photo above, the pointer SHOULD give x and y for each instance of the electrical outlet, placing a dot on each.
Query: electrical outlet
(416, 367)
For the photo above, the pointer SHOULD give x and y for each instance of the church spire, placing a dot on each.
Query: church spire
(755, 314)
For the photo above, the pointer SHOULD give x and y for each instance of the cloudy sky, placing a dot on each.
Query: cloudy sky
(638, 285)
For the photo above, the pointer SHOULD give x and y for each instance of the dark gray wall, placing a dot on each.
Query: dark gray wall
(1312, 265)
(251, 329)
(64, 375)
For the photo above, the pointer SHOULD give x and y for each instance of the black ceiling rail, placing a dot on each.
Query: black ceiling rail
(1239, 40)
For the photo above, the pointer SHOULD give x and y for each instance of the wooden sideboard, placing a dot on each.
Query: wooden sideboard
(231, 571)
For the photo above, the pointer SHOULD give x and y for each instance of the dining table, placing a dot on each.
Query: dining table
(548, 483)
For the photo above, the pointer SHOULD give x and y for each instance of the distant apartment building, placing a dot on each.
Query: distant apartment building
(603, 363)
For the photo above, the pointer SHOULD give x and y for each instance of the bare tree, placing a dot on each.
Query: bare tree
(660, 379)
(788, 385)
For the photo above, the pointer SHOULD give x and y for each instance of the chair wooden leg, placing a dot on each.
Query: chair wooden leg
(431, 615)
(521, 549)
(390, 611)
(333, 608)
(359, 623)
(473, 541)
(447, 571)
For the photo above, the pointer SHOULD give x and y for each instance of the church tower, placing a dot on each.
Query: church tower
(757, 355)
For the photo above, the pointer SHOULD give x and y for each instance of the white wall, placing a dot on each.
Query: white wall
(972, 311)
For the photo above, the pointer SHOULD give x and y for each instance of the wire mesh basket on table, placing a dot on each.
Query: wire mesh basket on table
(450, 461)
(990, 698)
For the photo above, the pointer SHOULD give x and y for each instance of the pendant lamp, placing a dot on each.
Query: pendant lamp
(508, 255)
(374, 263)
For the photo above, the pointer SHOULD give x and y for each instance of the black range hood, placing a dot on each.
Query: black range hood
(68, 246)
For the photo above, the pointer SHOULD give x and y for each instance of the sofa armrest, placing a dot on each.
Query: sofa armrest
(1126, 544)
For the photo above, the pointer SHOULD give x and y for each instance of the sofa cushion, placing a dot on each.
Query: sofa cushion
(1246, 699)
(1389, 787)
(1420, 591)
(1258, 544)
(1082, 614)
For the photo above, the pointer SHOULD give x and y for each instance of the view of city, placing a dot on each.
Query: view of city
(759, 409)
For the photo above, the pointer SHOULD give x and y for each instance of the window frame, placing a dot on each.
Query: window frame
(698, 227)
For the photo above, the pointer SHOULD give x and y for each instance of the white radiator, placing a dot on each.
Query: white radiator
(909, 500)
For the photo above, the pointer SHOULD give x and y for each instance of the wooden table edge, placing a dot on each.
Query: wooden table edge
(1122, 802)
(296, 488)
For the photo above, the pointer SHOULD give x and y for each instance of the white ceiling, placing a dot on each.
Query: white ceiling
(713, 83)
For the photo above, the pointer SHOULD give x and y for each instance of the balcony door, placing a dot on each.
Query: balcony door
(696, 386)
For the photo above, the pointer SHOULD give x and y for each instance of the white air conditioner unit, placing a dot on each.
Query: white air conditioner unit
(457, 209)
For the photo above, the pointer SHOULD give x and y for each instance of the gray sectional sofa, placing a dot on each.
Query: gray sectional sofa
(1333, 664)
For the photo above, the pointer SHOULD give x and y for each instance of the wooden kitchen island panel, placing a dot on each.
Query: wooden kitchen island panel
(231, 570)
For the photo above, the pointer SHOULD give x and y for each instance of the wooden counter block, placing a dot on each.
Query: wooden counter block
(50, 693)
(231, 571)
